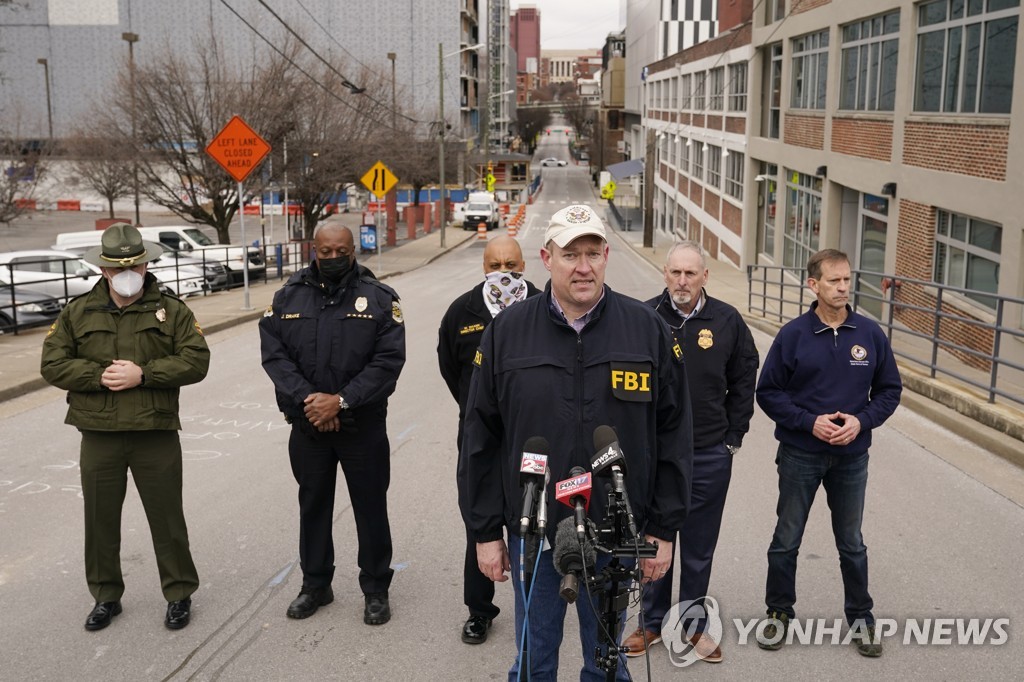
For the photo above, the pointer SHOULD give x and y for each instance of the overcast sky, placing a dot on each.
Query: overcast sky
(571, 24)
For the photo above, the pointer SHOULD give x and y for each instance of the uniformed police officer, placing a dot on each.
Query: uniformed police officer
(122, 351)
(334, 344)
(457, 340)
(555, 366)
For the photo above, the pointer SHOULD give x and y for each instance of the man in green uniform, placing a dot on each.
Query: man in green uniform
(122, 351)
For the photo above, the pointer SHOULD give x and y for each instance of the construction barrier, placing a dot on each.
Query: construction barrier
(513, 230)
(481, 231)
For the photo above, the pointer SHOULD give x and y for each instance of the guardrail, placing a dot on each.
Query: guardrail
(940, 329)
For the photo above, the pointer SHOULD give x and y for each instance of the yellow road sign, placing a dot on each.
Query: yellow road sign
(379, 179)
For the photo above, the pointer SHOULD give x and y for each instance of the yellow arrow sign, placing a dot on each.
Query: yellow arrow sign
(379, 179)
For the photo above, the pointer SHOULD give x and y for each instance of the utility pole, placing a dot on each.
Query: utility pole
(131, 39)
(49, 109)
(440, 137)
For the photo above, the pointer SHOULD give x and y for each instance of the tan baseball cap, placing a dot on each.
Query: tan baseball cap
(573, 222)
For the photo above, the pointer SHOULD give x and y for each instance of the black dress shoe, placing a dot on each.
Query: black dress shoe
(475, 630)
(178, 613)
(378, 610)
(101, 615)
(309, 600)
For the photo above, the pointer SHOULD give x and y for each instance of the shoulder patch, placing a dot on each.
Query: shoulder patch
(269, 312)
(198, 328)
(52, 330)
(396, 312)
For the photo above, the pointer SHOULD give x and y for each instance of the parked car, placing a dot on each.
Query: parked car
(22, 308)
(64, 275)
(552, 161)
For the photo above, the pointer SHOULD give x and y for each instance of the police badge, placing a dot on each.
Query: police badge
(161, 315)
(361, 304)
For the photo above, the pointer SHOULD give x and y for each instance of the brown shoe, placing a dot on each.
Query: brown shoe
(635, 645)
(706, 648)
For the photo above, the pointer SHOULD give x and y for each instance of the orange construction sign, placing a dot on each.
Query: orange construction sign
(238, 149)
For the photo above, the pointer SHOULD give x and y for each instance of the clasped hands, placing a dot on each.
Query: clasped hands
(325, 414)
(826, 428)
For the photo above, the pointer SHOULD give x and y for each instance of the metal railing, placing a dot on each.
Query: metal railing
(935, 327)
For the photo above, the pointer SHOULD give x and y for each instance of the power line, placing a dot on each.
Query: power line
(344, 80)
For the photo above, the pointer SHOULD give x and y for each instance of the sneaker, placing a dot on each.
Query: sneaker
(774, 634)
(638, 642)
(867, 643)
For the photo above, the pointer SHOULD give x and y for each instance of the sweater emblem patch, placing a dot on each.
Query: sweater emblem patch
(705, 339)
(859, 355)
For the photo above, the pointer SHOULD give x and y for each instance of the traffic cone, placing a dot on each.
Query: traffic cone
(481, 231)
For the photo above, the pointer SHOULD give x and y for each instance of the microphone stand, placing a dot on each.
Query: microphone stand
(532, 542)
(613, 537)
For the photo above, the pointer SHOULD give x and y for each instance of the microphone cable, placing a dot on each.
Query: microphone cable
(527, 596)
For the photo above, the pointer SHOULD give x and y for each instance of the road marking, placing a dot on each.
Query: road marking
(279, 578)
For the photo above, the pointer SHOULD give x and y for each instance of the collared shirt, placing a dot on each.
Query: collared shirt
(696, 308)
(580, 322)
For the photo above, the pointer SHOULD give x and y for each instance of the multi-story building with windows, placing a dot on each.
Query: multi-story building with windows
(890, 129)
(79, 48)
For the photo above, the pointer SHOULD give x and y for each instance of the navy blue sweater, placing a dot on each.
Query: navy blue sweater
(812, 370)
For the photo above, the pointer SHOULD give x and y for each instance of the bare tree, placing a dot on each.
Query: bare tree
(333, 138)
(530, 121)
(104, 164)
(180, 103)
(579, 113)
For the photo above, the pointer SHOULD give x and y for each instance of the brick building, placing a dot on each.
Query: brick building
(890, 129)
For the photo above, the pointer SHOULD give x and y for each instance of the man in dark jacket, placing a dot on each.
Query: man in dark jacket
(333, 343)
(457, 341)
(557, 366)
(721, 369)
(122, 351)
(829, 379)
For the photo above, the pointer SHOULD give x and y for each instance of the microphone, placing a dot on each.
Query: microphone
(575, 492)
(533, 470)
(609, 461)
(542, 506)
(571, 556)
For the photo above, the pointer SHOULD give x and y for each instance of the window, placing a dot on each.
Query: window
(674, 89)
(734, 175)
(773, 92)
(766, 243)
(810, 71)
(699, 90)
(774, 10)
(874, 226)
(698, 160)
(869, 64)
(965, 55)
(717, 86)
(684, 92)
(519, 172)
(684, 156)
(967, 255)
(714, 159)
(738, 87)
(803, 219)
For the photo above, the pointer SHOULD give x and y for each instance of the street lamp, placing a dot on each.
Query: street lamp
(394, 110)
(49, 109)
(131, 39)
(440, 136)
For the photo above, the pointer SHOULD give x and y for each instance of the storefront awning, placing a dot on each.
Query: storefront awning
(625, 169)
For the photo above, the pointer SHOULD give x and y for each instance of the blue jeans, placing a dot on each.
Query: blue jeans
(844, 478)
(547, 613)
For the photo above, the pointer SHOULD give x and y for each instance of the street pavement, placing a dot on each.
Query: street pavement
(944, 523)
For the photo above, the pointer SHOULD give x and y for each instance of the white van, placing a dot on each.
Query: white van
(185, 240)
(481, 208)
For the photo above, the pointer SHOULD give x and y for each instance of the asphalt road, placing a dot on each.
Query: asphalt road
(942, 545)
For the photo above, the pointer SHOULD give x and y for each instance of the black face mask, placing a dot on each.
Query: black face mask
(334, 270)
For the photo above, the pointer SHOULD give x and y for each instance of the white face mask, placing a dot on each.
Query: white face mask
(127, 283)
(502, 289)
